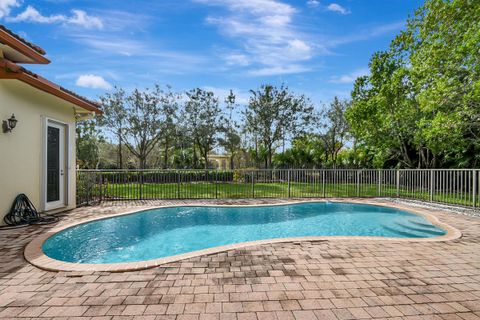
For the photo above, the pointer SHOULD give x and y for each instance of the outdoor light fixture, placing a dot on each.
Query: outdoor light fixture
(9, 124)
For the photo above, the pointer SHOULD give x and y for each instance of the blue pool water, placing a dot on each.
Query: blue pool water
(165, 232)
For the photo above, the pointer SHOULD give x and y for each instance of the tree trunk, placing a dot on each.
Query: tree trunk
(231, 162)
(257, 163)
(422, 163)
(405, 155)
(195, 158)
(205, 157)
(119, 152)
(143, 162)
(269, 162)
(165, 165)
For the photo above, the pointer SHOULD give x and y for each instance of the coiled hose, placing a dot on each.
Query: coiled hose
(23, 212)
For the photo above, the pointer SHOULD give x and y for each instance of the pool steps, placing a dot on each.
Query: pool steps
(414, 232)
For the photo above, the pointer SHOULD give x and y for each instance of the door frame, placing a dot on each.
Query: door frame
(62, 203)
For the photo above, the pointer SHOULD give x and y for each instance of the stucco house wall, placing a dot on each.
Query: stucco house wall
(22, 150)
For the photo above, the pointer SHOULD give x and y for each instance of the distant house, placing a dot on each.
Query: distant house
(219, 161)
(37, 156)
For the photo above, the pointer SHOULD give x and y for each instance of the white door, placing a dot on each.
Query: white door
(55, 171)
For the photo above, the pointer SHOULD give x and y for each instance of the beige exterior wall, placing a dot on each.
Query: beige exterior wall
(22, 150)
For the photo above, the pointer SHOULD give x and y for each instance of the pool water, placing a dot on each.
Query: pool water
(164, 232)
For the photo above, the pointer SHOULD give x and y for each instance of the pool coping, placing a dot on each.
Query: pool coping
(34, 254)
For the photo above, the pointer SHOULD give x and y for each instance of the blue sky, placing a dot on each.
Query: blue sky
(315, 47)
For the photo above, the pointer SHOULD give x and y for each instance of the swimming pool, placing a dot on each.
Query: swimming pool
(164, 232)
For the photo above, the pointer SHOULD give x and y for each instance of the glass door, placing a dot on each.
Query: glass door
(55, 166)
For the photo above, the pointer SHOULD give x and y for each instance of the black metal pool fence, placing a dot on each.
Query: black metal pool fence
(458, 187)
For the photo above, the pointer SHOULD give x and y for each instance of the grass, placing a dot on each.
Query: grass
(206, 190)
(203, 190)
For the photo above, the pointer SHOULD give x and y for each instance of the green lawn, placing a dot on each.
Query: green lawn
(236, 190)
(205, 190)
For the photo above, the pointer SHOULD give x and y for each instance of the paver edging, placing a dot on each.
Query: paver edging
(34, 254)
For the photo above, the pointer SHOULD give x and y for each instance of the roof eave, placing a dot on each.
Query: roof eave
(9, 70)
(16, 44)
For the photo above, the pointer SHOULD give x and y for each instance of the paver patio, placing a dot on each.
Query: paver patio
(301, 280)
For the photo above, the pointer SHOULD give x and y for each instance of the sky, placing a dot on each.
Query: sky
(315, 47)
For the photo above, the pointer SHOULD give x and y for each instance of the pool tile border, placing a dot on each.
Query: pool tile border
(34, 254)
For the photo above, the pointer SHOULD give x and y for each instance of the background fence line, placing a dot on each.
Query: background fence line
(450, 186)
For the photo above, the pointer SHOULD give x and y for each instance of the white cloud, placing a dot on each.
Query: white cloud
(127, 47)
(258, 7)
(265, 33)
(351, 77)
(236, 59)
(144, 54)
(81, 18)
(337, 8)
(121, 21)
(6, 6)
(92, 81)
(31, 14)
(279, 70)
(115, 45)
(299, 48)
(313, 3)
(78, 18)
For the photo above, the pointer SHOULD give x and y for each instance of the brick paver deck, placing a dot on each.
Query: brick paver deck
(283, 281)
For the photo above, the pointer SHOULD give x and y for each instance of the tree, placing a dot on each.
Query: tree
(441, 42)
(231, 140)
(382, 114)
(307, 151)
(114, 117)
(336, 127)
(170, 127)
(419, 107)
(87, 144)
(139, 118)
(184, 150)
(108, 155)
(203, 120)
(273, 114)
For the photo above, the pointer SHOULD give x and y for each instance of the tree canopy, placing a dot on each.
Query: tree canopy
(273, 114)
(418, 107)
(420, 104)
(139, 118)
(203, 119)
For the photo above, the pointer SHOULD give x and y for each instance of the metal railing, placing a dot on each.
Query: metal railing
(450, 186)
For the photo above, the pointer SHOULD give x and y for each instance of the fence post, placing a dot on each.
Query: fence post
(475, 186)
(398, 183)
(288, 179)
(358, 183)
(432, 185)
(323, 182)
(379, 191)
(101, 186)
(141, 185)
(178, 184)
(216, 183)
(253, 184)
(89, 189)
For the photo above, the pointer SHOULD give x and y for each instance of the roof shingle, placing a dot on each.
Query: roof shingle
(32, 74)
(27, 43)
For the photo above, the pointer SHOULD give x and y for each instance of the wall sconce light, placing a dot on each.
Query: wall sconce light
(9, 124)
